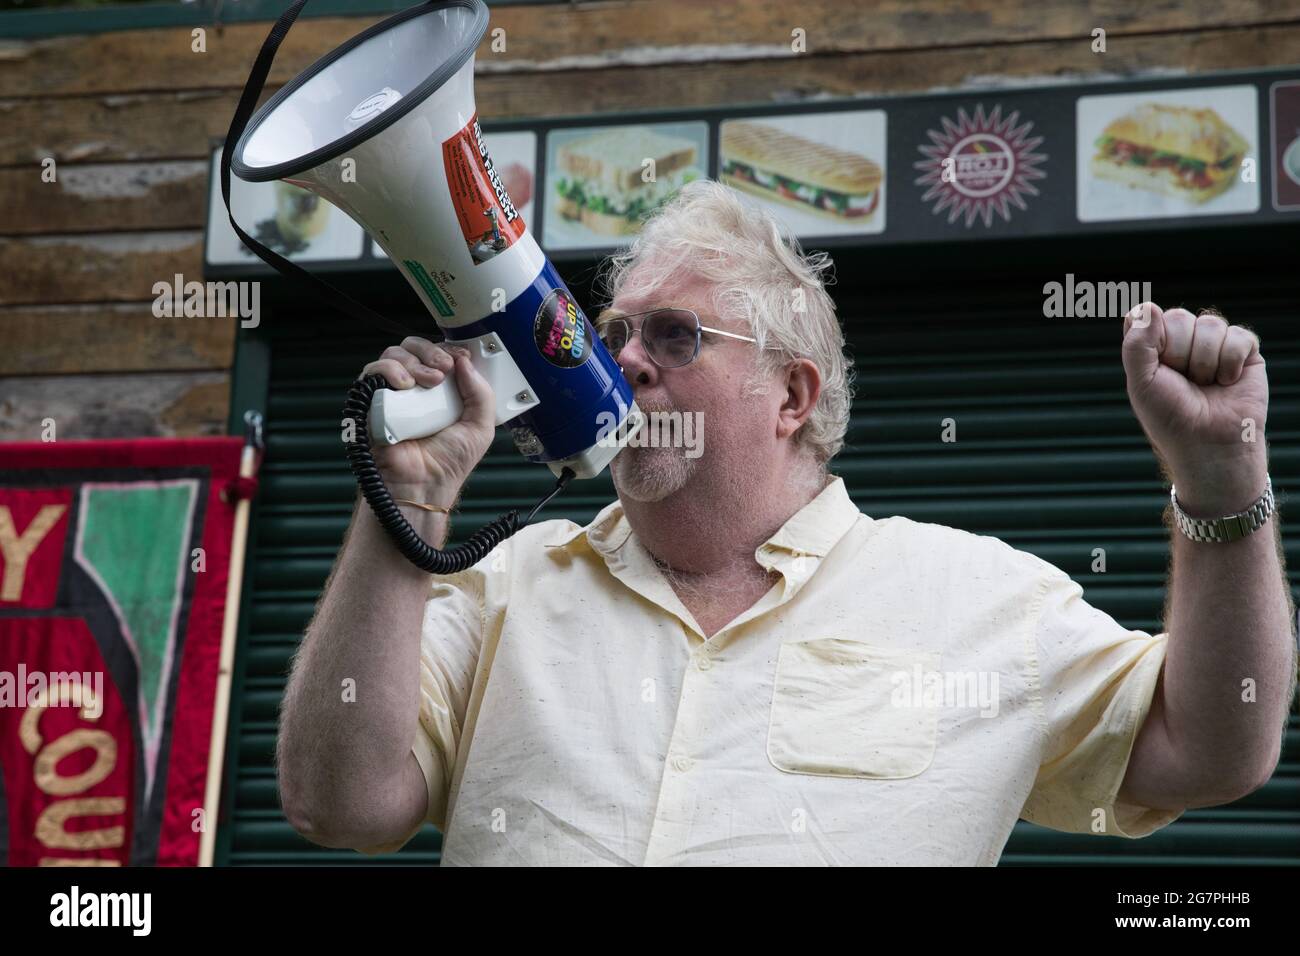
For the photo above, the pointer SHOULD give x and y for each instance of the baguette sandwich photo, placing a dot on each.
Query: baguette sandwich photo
(1172, 150)
(769, 162)
(603, 185)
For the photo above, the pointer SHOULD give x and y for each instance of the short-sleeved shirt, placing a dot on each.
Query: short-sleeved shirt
(902, 695)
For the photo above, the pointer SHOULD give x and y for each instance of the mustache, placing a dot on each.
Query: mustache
(656, 406)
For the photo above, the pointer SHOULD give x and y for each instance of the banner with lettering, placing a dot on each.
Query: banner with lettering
(113, 572)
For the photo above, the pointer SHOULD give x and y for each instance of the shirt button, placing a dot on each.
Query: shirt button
(682, 764)
(703, 661)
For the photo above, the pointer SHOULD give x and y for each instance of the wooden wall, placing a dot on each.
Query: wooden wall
(128, 116)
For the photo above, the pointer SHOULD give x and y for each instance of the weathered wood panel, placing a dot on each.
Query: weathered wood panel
(47, 340)
(158, 125)
(806, 77)
(626, 33)
(59, 270)
(180, 126)
(114, 406)
(106, 197)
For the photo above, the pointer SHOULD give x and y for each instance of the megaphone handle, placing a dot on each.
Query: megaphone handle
(323, 291)
(408, 541)
(401, 414)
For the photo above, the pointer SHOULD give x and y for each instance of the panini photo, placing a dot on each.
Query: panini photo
(1173, 150)
(799, 172)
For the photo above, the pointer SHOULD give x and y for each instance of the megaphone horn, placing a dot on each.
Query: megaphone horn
(385, 128)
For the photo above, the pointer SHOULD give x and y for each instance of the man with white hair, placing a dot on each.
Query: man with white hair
(731, 664)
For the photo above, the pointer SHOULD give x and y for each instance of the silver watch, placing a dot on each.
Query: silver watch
(1229, 527)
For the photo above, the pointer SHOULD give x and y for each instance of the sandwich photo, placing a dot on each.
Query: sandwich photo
(1173, 150)
(602, 185)
(780, 166)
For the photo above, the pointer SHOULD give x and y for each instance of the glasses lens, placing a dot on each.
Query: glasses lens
(614, 334)
(671, 336)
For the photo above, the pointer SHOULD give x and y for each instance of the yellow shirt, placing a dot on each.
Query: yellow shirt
(902, 695)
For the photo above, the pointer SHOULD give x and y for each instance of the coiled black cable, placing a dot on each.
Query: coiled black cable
(357, 410)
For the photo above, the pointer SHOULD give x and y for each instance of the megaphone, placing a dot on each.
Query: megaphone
(385, 127)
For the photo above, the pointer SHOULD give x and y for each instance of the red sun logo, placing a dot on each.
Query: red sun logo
(980, 164)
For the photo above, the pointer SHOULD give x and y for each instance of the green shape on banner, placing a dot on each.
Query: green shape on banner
(134, 537)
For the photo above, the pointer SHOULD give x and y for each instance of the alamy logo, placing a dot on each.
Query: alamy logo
(955, 689)
(134, 910)
(82, 689)
(1092, 300)
(673, 429)
(208, 300)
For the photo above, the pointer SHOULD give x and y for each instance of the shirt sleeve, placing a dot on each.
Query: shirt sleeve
(450, 641)
(1097, 680)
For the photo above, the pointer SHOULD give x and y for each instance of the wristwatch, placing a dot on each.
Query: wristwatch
(1229, 527)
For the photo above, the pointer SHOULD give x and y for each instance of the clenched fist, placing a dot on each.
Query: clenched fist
(1200, 391)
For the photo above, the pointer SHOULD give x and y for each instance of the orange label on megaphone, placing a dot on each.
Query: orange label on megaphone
(488, 219)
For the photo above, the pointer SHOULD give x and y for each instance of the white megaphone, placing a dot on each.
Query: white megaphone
(385, 128)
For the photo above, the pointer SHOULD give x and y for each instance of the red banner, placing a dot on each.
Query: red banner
(114, 561)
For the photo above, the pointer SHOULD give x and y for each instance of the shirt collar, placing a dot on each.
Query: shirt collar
(816, 527)
(605, 533)
(812, 530)
(795, 551)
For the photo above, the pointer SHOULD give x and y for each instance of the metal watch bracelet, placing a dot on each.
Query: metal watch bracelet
(1230, 527)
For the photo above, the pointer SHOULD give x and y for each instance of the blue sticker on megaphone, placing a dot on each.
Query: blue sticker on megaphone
(561, 330)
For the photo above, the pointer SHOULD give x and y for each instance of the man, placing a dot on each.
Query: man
(731, 664)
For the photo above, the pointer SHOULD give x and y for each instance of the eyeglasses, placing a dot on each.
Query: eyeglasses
(671, 336)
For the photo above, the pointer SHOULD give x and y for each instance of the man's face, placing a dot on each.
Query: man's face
(736, 427)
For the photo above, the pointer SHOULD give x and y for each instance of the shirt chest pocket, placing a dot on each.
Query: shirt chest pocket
(842, 708)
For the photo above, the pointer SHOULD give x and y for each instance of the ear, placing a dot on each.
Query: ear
(803, 385)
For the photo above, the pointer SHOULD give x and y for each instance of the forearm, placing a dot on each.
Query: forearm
(351, 705)
(1230, 668)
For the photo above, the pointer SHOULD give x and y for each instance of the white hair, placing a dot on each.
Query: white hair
(760, 273)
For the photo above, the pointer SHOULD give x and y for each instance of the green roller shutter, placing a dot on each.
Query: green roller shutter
(1048, 457)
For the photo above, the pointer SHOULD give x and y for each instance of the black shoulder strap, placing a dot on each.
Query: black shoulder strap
(323, 291)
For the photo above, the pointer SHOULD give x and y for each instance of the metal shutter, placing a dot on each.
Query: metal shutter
(1046, 445)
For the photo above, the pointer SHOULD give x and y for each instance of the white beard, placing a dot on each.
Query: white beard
(651, 474)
